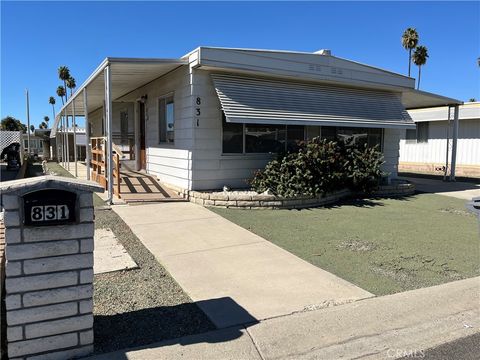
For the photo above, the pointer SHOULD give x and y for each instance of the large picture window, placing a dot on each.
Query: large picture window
(352, 135)
(166, 120)
(261, 138)
(265, 138)
(232, 138)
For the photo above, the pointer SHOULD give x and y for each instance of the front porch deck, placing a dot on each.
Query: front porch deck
(135, 186)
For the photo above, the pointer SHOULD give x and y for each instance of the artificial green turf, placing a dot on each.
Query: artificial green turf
(382, 245)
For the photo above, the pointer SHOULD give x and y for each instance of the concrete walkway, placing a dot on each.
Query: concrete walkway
(458, 189)
(387, 327)
(235, 277)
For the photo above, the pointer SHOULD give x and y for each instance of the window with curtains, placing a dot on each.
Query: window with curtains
(166, 120)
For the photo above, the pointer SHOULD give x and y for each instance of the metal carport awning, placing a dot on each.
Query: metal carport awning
(261, 101)
(127, 74)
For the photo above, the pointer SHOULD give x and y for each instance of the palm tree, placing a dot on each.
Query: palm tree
(52, 101)
(64, 75)
(409, 41)
(420, 56)
(61, 93)
(43, 125)
(71, 84)
(32, 128)
(46, 119)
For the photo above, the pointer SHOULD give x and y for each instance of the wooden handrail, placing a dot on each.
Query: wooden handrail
(98, 161)
(117, 149)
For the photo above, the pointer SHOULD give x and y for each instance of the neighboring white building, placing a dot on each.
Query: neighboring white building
(424, 150)
(216, 115)
(57, 149)
(36, 145)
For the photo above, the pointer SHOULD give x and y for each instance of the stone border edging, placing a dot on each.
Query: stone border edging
(252, 200)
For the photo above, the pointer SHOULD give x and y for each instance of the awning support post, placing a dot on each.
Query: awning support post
(108, 113)
(87, 133)
(68, 141)
(60, 145)
(137, 135)
(65, 139)
(447, 149)
(454, 144)
(74, 124)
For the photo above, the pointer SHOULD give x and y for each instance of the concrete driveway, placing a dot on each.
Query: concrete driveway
(235, 277)
(458, 189)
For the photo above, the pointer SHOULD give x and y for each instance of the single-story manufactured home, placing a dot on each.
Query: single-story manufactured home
(77, 143)
(214, 116)
(36, 146)
(427, 149)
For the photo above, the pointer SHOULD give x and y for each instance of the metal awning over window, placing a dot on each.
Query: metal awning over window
(259, 101)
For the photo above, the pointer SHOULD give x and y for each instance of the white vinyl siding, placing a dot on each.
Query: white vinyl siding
(434, 151)
(212, 169)
(170, 162)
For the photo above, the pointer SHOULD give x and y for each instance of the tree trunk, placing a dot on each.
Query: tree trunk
(409, 60)
(419, 74)
(66, 91)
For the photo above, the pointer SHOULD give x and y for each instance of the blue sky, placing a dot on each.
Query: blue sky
(38, 37)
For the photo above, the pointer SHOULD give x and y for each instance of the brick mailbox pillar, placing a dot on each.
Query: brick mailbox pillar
(49, 230)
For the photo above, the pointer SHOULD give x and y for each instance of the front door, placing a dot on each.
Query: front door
(143, 153)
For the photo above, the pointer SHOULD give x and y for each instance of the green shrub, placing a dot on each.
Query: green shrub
(363, 168)
(318, 167)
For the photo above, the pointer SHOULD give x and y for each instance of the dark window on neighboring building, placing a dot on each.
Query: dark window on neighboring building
(411, 136)
(422, 132)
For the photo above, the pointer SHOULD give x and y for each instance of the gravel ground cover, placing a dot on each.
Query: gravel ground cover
(382, 245)
(139, 306)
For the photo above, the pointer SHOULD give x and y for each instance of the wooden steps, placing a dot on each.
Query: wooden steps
(138, 187)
